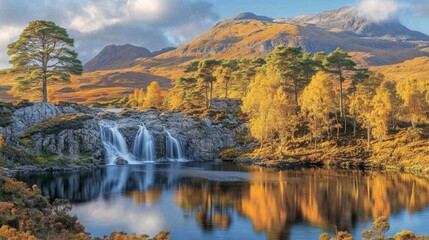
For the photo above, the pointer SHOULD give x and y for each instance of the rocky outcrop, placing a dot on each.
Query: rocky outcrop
(201, 139)
(73, 131)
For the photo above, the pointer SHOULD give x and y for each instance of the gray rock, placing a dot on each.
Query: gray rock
(201, 140)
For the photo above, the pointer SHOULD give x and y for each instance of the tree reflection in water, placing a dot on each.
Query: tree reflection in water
(274, 201)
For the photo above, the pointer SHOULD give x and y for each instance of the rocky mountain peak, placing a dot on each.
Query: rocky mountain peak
(252, 16)
(348, 19)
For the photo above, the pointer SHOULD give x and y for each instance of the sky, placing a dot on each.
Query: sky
(155, 24)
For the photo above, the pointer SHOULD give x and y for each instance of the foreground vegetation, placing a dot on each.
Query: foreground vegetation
(26, 214)
(377, 232)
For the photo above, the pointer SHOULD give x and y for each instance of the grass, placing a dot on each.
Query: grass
(56, 124)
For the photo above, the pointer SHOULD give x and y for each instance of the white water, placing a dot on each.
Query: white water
(144, 147)
(143, 150)
(114, 143)
(174, 149)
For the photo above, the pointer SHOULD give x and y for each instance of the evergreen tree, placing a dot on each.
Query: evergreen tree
(337, 62)
(44, 54)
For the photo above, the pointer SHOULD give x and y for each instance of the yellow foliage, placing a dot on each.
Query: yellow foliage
(137, 98)
(9, 233)
(154, 97)
(414, 93)
(381, 112)
(319, 104)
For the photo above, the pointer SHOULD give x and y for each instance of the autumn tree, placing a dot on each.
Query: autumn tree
(337, 62)
(381, 112)
(414, 94)
(43, 54)
(258, 104)
(318, 105)
(283, 117)
(359, 77)
(154, 97)
(136, 99)
(361, 103)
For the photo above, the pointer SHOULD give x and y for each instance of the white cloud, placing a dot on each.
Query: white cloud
(96, 23)
(378, 10)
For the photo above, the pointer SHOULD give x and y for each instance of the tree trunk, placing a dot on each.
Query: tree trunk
(211, 94)
(296, 92)
(341, 94)
(354, 127)
(368, 135)
(44, 90)
(226, 90)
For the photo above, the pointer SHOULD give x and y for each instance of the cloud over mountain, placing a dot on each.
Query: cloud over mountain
(378, 10)
(96, 23)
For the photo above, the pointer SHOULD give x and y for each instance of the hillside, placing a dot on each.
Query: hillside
(417, 68)
(120, 56)
(247, 35)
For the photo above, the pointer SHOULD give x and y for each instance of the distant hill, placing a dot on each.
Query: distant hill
(120, 56)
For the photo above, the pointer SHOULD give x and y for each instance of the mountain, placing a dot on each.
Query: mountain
(349, 19)
(246, 36)
(122, 68)
(252, 16)
(120, 56)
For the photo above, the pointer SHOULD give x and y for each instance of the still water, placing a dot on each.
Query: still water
(224, 201)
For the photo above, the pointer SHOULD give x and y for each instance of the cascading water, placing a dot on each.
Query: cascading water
(144, 147)
(174, 149)
(114, 143)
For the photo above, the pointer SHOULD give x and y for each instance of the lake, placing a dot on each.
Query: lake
(195, 200)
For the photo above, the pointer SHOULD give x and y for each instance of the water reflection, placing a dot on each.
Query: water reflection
(274, 203)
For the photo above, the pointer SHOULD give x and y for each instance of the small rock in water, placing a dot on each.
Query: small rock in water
(121, 162)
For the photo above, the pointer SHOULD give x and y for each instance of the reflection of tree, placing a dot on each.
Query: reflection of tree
(145, 197)
(210, 203)
(326, 198)
(274, 200)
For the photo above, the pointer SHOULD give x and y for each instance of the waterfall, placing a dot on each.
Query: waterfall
(114, 143)
(174, 149)
(144, 147)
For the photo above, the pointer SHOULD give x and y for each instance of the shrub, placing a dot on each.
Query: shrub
(229, 154)
(405, 235)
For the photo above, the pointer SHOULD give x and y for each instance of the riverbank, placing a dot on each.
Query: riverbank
(406, 150)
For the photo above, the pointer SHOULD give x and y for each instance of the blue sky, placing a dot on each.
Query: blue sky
(155, 24)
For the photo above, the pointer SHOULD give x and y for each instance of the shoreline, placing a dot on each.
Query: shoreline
(280, 165)
(283, 165)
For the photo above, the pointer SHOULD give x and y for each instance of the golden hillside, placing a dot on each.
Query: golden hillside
(417, 68)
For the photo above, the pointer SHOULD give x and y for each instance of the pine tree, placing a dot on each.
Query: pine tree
(44, 54)
(337, 62)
